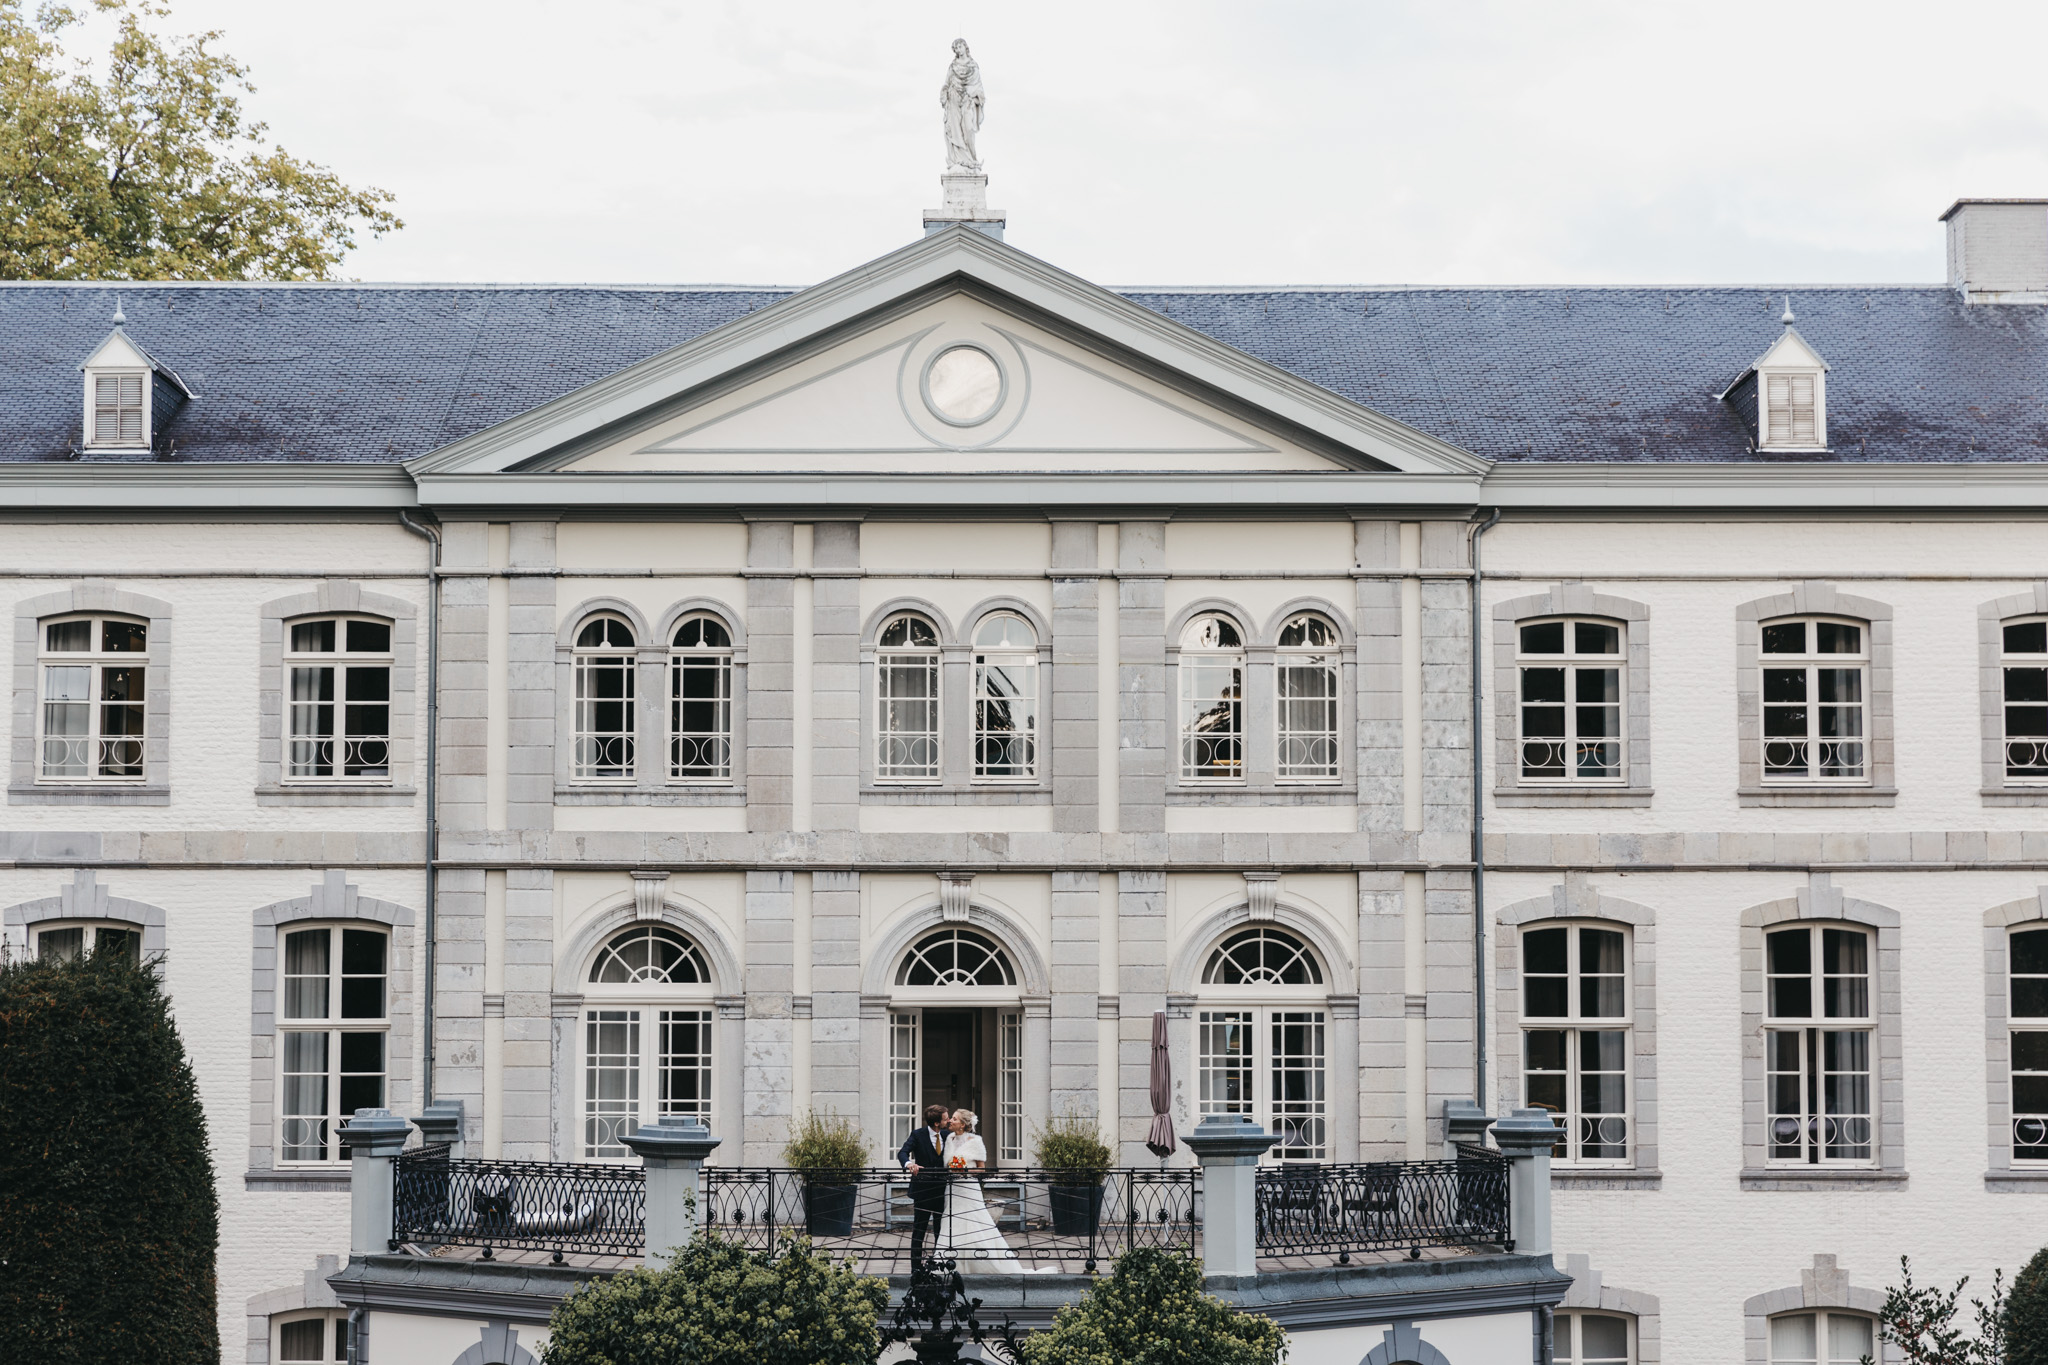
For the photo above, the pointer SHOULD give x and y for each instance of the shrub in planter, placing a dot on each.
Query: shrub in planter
(1151, 1311)
(826, 1148)
(2026, 1314)
(720, 1302)
(108, 1219)
(1072, 1149)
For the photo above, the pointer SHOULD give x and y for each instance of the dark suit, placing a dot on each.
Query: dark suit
(927, 1188)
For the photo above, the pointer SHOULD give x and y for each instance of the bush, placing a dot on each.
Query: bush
(825, 1142)
(719, 1302)
(1072, 1143)
(2026, 1314)
(108, 1217)
(1152, 1311)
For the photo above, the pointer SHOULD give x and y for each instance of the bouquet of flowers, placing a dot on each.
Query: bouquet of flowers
(956, 1163)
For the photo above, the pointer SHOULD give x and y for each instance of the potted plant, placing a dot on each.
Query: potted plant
(828, 1151)
(1071, 1151)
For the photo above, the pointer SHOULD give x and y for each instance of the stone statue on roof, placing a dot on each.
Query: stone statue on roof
(962, 99)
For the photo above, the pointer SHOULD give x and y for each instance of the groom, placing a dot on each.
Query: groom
(923, 1156)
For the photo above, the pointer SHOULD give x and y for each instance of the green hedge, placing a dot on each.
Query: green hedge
(108, 1217)
(2026, 1314)
(1152, 1311)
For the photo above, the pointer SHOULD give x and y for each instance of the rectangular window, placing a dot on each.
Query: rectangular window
(1792, 411)
(2028, 1015)
(1284, 1090)
(604, 717)
(1821, 1339)
(1576, 1044)
(1570, 701)
(338, 978)
(1817, 1046)
(61, 944)
(611, 1080)
(340, 675)
(2025, 678)
(94, 680)
(306, 1341)
(686, 1063)
(1212, 717)
(905, 1071)
(907, 717)
(1813, 702)
(1594, 1339)
(1010, 1100)
(1307, 705)
(118, 412)
(1005, 716)
(700, 716)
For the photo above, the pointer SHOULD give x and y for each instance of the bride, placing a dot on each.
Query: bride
(971, 1233)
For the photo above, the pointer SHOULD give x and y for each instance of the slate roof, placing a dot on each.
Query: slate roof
(381, 373)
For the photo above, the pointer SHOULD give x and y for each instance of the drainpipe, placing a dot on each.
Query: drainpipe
(1478, 835)
(433, 766)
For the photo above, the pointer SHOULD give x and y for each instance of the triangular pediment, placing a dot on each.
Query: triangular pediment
(1790, 351)
(859, 375)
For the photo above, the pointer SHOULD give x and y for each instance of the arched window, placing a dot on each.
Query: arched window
(1818, 1036)
(700, 701)
(55, 942)
(1307, 700)
(1576, 1044)
(1005, 699)
(1263, 1039)
(319, 1338)
(907, 701)
(1827, 1338)
(1212, 700)
(333, 1026)
(955, 957)
(647, 1036)
(1814, 684)
(339, 670)
(1594, 1339)
(2028, 1015)
(1570, 701)
(2025, 703)
(604, 668)
(94, 672)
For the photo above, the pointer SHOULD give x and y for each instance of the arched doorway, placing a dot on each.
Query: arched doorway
(956, 1036)
(1262, 1038)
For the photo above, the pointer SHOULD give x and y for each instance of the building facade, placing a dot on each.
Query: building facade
(899, 690)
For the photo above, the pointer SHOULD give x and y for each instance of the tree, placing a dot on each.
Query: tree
(108, 1217)
(149, 171)
(1152, 1311)
(1920, 1321)
(721, 1302)
(2026, 1314)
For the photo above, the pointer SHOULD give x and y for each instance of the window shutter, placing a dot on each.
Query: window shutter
(1789, 410)
(117, 408)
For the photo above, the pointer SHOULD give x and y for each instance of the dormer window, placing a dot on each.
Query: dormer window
(119, 416)
(1782, 396)
(129, 396)
(1792, 413)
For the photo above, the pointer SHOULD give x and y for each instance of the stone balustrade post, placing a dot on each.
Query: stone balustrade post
(1229, 1146)
(1464, 1122)
(1525, 1138)
(673, 1153)
(374, 1138)
(442, 1122)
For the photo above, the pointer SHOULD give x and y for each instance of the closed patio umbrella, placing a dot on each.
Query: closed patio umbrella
(1160, 1139)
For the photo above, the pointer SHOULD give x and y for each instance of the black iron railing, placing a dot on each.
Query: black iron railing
(529, 1205)
(995, 1222)
(1313, 1209)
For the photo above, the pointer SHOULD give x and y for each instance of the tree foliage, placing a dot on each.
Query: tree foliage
(2026, 1314)
(719, 1302)
(1152, 1311)
(108, 1216)
(1920, 1321)
(148, 169)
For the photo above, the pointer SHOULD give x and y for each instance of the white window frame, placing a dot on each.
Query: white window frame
(1767, 381)
(588, 664)
(1292, 663)
(335, 1026)
(1575, 1353)
(1821, 1355)
(1211, 645)
(97, 661)
(715, 744)
(1809, 1053)
(896, 665)
(2030, 1123)
(2030, 746)
(1574, 664)
(1019, 663)
(144, 380)
(1574, 1123)
(333, 1336)
(347, 663)
(88, 940)
(647, 1007)
(1813, 664)
(1252, 1058)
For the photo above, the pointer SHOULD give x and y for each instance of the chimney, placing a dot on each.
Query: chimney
(1998, 250)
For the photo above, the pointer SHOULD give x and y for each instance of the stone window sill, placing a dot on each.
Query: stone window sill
(945, 795)
(310, 1178)
(661, 796)
(1817, 796)
(1605, 1178)
(2015, 796)
(334, 796)
(1817, 1178)
(1262, 796)
(2017, 1181)
(1572, 796)
(88, 796)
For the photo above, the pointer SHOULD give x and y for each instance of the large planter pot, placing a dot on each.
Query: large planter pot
(1076, 1209)
(828, 1209)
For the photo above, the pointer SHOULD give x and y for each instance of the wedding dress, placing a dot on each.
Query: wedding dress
(971, 1234)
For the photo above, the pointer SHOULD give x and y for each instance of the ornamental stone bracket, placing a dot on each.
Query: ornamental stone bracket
(1261, 896)
(647, 894)
(956, 893)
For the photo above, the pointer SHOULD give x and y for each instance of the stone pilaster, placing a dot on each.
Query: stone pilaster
(835, 677)
(459, 993)
(528, 1070)
(461, 779)
(1076, 967)
(1141, 986)
(1378, 550)
(1073, 712)
(836, 1076)
(1143, 719)
(767, 1063)
(530, 760)
(771, 596)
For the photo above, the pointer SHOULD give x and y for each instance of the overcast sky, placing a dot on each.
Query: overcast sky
(1186, 142)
